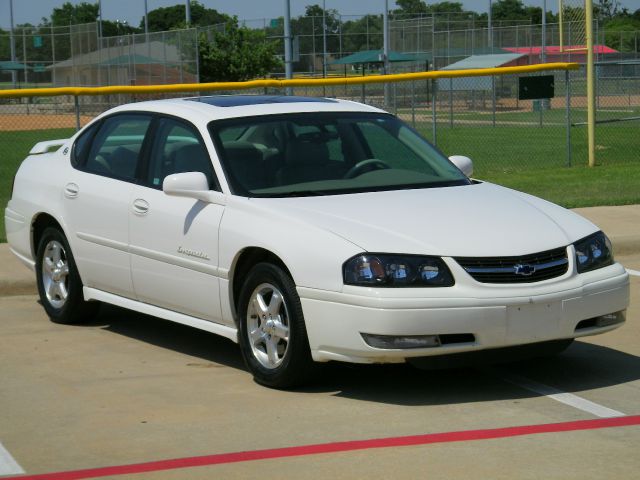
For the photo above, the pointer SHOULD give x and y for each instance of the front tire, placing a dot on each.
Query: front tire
(59, 283)
(272, 333)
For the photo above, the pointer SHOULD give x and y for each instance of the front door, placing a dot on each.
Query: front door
(174, 240)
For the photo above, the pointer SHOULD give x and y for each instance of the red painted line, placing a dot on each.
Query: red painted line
(460, 436)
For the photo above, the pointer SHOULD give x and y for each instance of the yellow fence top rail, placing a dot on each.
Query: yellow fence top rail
(307, 82)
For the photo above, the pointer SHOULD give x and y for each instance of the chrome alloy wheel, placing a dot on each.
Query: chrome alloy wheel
(268, 325)
(55, 274)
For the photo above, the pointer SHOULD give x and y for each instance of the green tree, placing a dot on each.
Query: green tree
(168, 18)
(236, 54)
(509, 10)
(113, 29)
(411, 7)
(69, 14)
(445, 7)
(362, 34)
(608, 9)
(620, 33)
(308, 31)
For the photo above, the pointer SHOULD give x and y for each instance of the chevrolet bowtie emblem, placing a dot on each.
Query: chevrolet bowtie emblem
(525, 270)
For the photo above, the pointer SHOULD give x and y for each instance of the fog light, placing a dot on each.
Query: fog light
(611, 319)
(603, 320)
(401, 342)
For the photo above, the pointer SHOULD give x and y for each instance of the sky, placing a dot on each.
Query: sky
(31, 11)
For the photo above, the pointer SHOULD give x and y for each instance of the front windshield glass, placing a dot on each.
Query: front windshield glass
(327, 153)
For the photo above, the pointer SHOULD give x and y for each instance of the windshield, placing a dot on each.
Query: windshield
(327, 153)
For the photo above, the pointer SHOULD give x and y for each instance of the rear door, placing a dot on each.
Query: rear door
(97, 197)
(174, 240)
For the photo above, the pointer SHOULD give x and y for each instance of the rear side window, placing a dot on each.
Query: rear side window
(82, 145)
(116, 147)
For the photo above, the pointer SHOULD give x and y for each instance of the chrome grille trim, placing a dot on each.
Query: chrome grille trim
(538, 267)
(530, 268)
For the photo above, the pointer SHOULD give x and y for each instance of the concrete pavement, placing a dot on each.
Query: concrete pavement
(15, 278)
(621, 224)
(125, 388)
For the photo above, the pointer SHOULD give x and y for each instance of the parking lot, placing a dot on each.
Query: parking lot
(148, 397)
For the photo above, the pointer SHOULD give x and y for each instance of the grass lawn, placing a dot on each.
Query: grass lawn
(530, 159)
(556, 115)
(577, 186)
(518, 148)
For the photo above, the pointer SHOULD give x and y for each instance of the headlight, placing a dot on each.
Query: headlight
(593, 252)
(384, 270)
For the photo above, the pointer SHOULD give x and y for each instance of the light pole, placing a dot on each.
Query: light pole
(490, 30)
(99, 18)
(188, 11)
(385, 26)
(12, 41)
(287, 39)
(146, 20)
(324, 39)
(543, 56)
(385, 53)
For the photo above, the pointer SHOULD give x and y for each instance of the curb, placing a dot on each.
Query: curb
(627, 245)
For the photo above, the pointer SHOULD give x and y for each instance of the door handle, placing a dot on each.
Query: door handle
(71, 190)
(140, 206)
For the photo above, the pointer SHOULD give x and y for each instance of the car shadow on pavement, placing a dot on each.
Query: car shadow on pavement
(169, 335)
(583, 366)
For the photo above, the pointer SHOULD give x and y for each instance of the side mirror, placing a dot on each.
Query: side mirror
(463, 163)
(191, 185)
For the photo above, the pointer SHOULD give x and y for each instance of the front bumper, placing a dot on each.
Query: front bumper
(496, 317)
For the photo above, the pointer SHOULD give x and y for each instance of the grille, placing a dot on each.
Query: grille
(524, 269)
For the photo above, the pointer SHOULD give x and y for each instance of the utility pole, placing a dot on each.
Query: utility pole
(12, 40)
(287, 39)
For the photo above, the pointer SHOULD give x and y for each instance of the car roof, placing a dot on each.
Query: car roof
(204, 109)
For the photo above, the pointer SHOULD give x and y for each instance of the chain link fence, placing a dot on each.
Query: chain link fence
(478, 116)
(77, 55)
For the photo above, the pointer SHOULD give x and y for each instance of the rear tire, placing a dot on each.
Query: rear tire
(272, 333)
(59, 283)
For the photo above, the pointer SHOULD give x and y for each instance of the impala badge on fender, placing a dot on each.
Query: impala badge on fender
(193, 253)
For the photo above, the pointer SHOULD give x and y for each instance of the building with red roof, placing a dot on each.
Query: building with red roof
(570, 53)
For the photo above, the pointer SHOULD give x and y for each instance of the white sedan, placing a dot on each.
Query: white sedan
(306, 230)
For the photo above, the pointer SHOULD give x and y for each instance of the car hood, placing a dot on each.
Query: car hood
(472, 220)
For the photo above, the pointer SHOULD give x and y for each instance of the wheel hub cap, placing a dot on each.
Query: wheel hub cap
(55, 274)
(268, 325)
